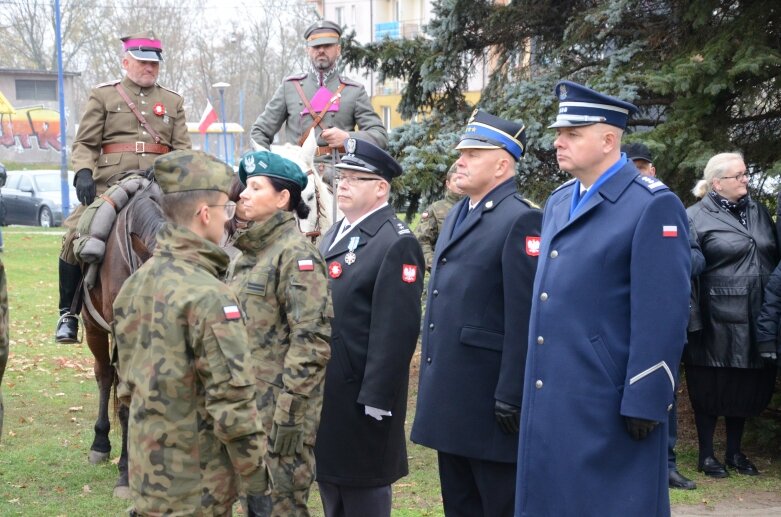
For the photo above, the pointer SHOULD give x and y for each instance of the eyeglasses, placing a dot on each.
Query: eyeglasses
(739, 177)
(353, 180)
(229, 207)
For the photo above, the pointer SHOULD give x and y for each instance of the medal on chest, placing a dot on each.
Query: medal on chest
(351, 247)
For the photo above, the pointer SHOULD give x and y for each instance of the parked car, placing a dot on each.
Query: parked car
(34, 197)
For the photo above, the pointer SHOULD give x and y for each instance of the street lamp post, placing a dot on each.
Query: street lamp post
(221, 87)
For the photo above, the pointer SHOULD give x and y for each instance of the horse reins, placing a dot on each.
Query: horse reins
(313, 235)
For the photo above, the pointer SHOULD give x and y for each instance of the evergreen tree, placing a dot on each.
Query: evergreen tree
(706, 76)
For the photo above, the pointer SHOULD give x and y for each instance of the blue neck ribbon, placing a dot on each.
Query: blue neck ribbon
(579, 202)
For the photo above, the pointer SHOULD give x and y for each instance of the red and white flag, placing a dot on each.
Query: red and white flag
(209, 116)
(669, 231)
(306, 265)
(231, 312)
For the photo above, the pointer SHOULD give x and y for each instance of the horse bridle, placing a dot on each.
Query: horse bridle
(313, 235)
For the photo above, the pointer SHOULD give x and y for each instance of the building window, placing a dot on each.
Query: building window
(340, 16)
(386, 117)
(36, 90)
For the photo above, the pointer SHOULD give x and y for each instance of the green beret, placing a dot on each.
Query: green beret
(264, 163)
(185, 170)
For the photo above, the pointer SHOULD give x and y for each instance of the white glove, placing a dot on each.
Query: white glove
(376, 413)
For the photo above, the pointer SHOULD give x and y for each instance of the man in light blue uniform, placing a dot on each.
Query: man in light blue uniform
(608, 322)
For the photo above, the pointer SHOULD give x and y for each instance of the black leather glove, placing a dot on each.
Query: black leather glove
(639, 428)
(85, 186)
(508, 417)
(258, 505)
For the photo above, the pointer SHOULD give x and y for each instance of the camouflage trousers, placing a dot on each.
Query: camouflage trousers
(291, 479)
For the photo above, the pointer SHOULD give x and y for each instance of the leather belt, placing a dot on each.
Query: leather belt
(136, 147)
(326, 150)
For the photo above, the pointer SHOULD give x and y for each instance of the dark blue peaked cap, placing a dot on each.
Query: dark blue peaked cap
(581, 106)
(366, 157)
(486, 131)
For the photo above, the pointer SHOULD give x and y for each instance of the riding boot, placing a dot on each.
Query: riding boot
(68, 324)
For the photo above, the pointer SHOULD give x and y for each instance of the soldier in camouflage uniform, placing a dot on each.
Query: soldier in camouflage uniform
(302, 98)
(184, 362)
(281, 282)
(4, 331)
(112, 140)
(432, 218)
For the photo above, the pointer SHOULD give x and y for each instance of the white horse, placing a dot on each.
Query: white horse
(317, 194)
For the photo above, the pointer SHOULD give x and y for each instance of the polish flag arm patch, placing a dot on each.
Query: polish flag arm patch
(669, 231)
(306, 265)
(231, 312)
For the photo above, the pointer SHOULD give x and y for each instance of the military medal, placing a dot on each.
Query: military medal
(334, 270)
(350, 257)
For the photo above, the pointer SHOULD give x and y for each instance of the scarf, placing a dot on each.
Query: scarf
(739, 208)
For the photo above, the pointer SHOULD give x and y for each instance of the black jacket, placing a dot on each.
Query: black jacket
(738, 261)
(376, 300)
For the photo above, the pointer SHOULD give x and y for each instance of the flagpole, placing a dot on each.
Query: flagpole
(221, 87)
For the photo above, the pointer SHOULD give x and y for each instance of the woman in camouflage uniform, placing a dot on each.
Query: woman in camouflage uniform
(281, 283)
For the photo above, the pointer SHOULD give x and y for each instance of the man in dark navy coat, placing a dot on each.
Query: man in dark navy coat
(608, 323)
(476, 325)
(376, 268)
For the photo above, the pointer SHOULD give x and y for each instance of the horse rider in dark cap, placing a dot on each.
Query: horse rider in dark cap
(126, 125)
(335, 106)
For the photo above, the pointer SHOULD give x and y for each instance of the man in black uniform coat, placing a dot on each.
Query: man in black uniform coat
(376, 268)
(476, 325)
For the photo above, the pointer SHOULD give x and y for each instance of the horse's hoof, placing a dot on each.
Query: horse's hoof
(96, 457)
(122, 492)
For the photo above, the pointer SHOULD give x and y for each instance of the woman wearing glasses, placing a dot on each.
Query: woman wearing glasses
(281, 282)
(725, 372)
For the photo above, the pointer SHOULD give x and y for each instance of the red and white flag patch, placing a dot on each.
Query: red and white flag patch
(231, 312)
(669, 231)
(532, 245)
(306, 265)
(409, 273)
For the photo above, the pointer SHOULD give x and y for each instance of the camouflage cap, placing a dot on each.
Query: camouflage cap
(185, 170)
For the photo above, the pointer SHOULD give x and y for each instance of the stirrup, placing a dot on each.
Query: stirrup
(79, 329)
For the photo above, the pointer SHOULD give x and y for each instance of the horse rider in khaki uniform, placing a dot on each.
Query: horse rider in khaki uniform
(125, 126)
(320, 99)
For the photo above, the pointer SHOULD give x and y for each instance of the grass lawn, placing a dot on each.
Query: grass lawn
(51, 404)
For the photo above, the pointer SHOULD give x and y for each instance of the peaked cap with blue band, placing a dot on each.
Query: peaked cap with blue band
(486, 131)
(581, 106)
(265, 163)
(366, 157)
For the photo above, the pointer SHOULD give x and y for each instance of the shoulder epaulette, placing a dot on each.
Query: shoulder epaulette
(527, 202)
(651, 183)
(107, 83)
(348, 81)
(564, 185)
(169, 90)
(401, 228)
(296, 77)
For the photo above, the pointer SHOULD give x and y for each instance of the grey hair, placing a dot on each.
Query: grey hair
(714, 169)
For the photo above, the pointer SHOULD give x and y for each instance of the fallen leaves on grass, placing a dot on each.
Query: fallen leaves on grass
(86, 489)
(74, 409)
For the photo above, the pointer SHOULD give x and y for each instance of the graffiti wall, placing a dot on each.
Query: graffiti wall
(31, 128)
